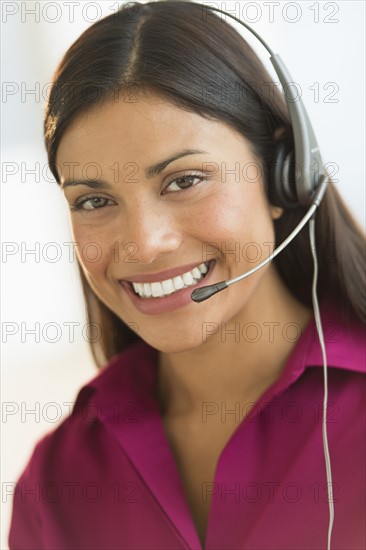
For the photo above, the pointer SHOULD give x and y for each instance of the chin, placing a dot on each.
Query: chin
(174, 344)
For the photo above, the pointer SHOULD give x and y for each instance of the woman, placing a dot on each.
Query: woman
(203, 430)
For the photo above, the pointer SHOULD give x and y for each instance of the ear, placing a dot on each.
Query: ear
(276, 212)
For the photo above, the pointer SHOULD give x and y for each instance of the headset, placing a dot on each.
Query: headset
(289, 189)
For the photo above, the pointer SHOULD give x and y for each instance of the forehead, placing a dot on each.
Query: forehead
(140, 131)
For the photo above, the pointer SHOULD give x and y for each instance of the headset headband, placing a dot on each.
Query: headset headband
(308, 165)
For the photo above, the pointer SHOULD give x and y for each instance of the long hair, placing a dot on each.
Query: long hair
(191, 57)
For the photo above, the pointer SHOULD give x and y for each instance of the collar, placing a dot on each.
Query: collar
(130, 376)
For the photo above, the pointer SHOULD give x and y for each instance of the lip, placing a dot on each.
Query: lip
(162, 275)
(156, 306)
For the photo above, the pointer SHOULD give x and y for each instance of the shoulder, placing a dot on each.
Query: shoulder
(126, 379)
(303, 377)
(344, 339)
(81, 452)
(345, 359)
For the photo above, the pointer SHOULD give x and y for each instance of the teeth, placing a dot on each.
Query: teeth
(156, 290)
(164, 288)
(188, 278)
(168, 286)
(140, 288)
(178, 282)
(147, 290)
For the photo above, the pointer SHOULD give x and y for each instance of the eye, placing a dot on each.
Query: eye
(184, 182)
(90, 203)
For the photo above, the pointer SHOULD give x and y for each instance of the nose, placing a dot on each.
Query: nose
(151, 230)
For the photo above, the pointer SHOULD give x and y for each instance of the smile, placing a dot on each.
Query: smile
(160, 289)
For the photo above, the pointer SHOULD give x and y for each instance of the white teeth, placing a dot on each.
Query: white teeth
(168, 286)
(188, 278)
(165, 288)
(140, 289)
(147, 290)
(178, 282)
(156, 290)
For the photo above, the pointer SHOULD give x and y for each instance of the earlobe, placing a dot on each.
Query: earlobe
(276, 212)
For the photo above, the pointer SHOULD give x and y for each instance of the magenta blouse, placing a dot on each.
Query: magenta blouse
(106, 477)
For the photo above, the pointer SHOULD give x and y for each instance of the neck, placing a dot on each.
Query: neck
(241, 360)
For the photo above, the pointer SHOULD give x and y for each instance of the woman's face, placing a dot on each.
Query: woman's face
(159, 193)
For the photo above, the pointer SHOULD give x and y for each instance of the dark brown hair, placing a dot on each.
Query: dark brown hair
(190, 56)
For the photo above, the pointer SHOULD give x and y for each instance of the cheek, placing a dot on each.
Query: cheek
(94, 250)
(238, 224)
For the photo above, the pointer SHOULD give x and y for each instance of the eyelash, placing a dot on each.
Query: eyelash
(78, 205)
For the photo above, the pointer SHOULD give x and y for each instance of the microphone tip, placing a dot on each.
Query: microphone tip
(205, 292)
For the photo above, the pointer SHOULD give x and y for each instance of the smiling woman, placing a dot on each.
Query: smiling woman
(173, 181)
(169, 225)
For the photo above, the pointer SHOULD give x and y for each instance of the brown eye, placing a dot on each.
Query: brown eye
(90, 203)
(184, 182)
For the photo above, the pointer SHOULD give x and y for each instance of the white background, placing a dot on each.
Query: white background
(46, 375)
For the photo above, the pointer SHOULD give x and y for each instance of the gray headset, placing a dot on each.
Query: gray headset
(293, 181)
(287, 188)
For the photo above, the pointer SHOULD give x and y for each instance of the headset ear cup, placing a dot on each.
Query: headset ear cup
(282, 185)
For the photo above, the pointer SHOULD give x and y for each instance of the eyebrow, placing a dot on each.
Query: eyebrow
(150, 171)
